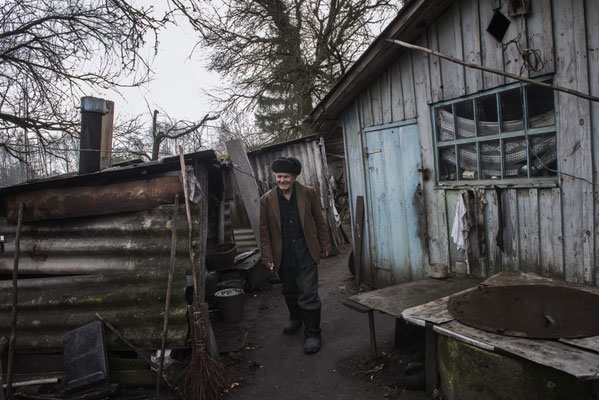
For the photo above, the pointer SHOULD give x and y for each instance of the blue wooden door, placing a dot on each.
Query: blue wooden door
(396, 205)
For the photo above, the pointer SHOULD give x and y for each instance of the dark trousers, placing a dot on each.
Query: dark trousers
(300, 289)
(300, 286)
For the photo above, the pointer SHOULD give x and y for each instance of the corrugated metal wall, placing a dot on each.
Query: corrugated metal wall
(311, 153)
(111, 243)
(549, 229)
(116, 265)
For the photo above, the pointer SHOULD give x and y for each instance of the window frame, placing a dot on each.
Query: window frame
(500, 137)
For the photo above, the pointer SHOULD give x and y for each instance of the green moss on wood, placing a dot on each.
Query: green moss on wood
(470, 373)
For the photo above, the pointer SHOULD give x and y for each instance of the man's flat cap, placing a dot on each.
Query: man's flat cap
(288, 165)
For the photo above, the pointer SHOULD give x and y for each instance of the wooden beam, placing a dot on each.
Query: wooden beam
(493, 70)
(372, 333)
(358, 224)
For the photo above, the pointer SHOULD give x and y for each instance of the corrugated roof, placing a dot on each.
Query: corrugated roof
(111, 175)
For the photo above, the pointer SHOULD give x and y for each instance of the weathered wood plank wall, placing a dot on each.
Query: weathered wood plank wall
(355, 177)
(592, 16)
(548, 230)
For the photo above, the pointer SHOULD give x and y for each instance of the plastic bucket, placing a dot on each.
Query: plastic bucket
(230, 304)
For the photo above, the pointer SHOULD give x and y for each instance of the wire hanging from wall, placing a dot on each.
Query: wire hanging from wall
(531, 58)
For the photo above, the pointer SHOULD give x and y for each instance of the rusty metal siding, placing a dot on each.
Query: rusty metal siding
(114, 264)
(57, 203)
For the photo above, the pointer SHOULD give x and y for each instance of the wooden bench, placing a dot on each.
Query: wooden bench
(393, 300)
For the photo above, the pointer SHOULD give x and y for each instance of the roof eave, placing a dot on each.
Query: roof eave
(410, 22)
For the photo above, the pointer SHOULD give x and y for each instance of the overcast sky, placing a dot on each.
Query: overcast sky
(178, 80)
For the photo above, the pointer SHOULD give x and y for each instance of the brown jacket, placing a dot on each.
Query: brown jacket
(311, 219)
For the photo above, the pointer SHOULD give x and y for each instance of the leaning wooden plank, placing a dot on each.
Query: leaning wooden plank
(244, 176)
(358, 242)
(582, 364)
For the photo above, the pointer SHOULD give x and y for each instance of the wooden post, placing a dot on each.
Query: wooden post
(106, 143)
(3, 343)
(358, 224)
(221, 212)
(199, 269)
(372, 333)
(194, 270)
(248, 187)
(13, 323)
(167, 301)
(431, 374)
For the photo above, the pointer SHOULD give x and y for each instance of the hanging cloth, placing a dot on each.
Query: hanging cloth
(459, 231)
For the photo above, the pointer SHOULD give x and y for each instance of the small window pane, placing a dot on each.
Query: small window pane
(514, 156)
(490, 160)
(526, 153)
(541, 111)
(468, 161)
(486, 114)
(511, 111)
(465, 119)
(543, 155)
(444, 123)
(447, 163)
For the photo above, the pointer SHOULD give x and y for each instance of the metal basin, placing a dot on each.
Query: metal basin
(535, 311)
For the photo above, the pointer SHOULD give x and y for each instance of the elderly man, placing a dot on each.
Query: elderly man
(293, 237)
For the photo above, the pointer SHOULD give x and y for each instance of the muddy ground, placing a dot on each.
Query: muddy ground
(272, 365)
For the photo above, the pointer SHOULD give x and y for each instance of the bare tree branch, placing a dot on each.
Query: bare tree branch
(281, 56)
(54, 51)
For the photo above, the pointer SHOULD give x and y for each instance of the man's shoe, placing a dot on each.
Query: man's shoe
(312, 344)
(292, 326)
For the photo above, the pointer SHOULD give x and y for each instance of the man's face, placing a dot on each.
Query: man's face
(285, 180)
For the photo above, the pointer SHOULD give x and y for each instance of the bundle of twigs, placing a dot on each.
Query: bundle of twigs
(203, 377)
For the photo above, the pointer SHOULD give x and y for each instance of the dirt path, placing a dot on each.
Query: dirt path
(273, 365)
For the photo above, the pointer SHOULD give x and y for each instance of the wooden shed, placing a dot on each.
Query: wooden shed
(421, 131)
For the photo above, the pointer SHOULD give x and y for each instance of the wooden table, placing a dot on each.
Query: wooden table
(393, 300)
(577, 357)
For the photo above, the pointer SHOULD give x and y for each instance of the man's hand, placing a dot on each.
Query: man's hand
(270, 265)
(324, 254)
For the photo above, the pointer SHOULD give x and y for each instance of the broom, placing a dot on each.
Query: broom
(203, 378)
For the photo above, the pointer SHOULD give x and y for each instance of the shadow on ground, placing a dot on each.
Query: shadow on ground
(273, 366)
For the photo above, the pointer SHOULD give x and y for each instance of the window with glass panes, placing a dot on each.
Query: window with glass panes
(504, 134)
